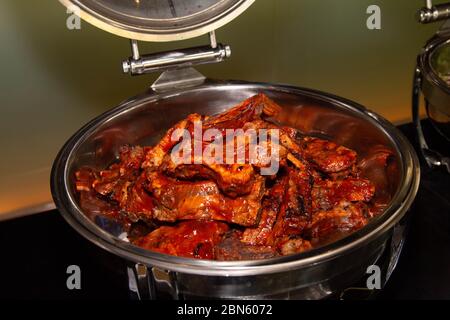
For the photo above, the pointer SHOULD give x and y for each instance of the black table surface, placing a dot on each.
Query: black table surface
(37, 250)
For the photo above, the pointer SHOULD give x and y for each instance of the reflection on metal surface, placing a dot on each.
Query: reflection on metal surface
(156, 20)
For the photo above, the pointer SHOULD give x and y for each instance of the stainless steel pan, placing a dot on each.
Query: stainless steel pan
(314, 274)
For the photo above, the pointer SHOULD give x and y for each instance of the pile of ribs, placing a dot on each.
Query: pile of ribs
(231, 211)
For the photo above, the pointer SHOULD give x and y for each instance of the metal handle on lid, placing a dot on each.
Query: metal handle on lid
(433, 13)
(184, 58)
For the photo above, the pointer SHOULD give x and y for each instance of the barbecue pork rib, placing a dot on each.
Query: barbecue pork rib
(190, 239)
(327, 156)
(185, 200)
(233, 179)
(206, 209)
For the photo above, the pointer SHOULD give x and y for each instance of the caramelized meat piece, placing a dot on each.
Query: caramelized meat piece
(136, 201)
(107, 180)
(294, 244)
(84, 178)
(233, 118)
(286, 141)
(182, 200)
(231, 249)
(155, 156)
(205, 209)
(327, 156)
(91, 202)
(261, 234)
(244, 112)
(286, 212)
(191, 239)
(327, 194)
(233, 180)
(131, 158)
(127, 169)
(123, 183)
(338, 221)
(295, 211)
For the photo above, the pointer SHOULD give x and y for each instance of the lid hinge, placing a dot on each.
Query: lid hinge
(178, 59)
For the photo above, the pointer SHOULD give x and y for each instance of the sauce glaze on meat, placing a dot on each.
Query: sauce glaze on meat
(232, 212)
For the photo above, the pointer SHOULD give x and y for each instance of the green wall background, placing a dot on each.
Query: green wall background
(54, 80)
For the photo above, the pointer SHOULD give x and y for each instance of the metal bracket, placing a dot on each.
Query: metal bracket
(432, 13)
(180, 78)
(145, 289)
(147, 282)
(183, 58)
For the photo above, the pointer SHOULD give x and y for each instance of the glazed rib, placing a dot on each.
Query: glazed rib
(204, 208)
(183, 200)
(327, 156)
(191, 239)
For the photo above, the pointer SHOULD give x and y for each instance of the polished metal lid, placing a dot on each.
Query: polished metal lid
(440, 62)
(434, 66)
(158, 20)
(432, 79)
